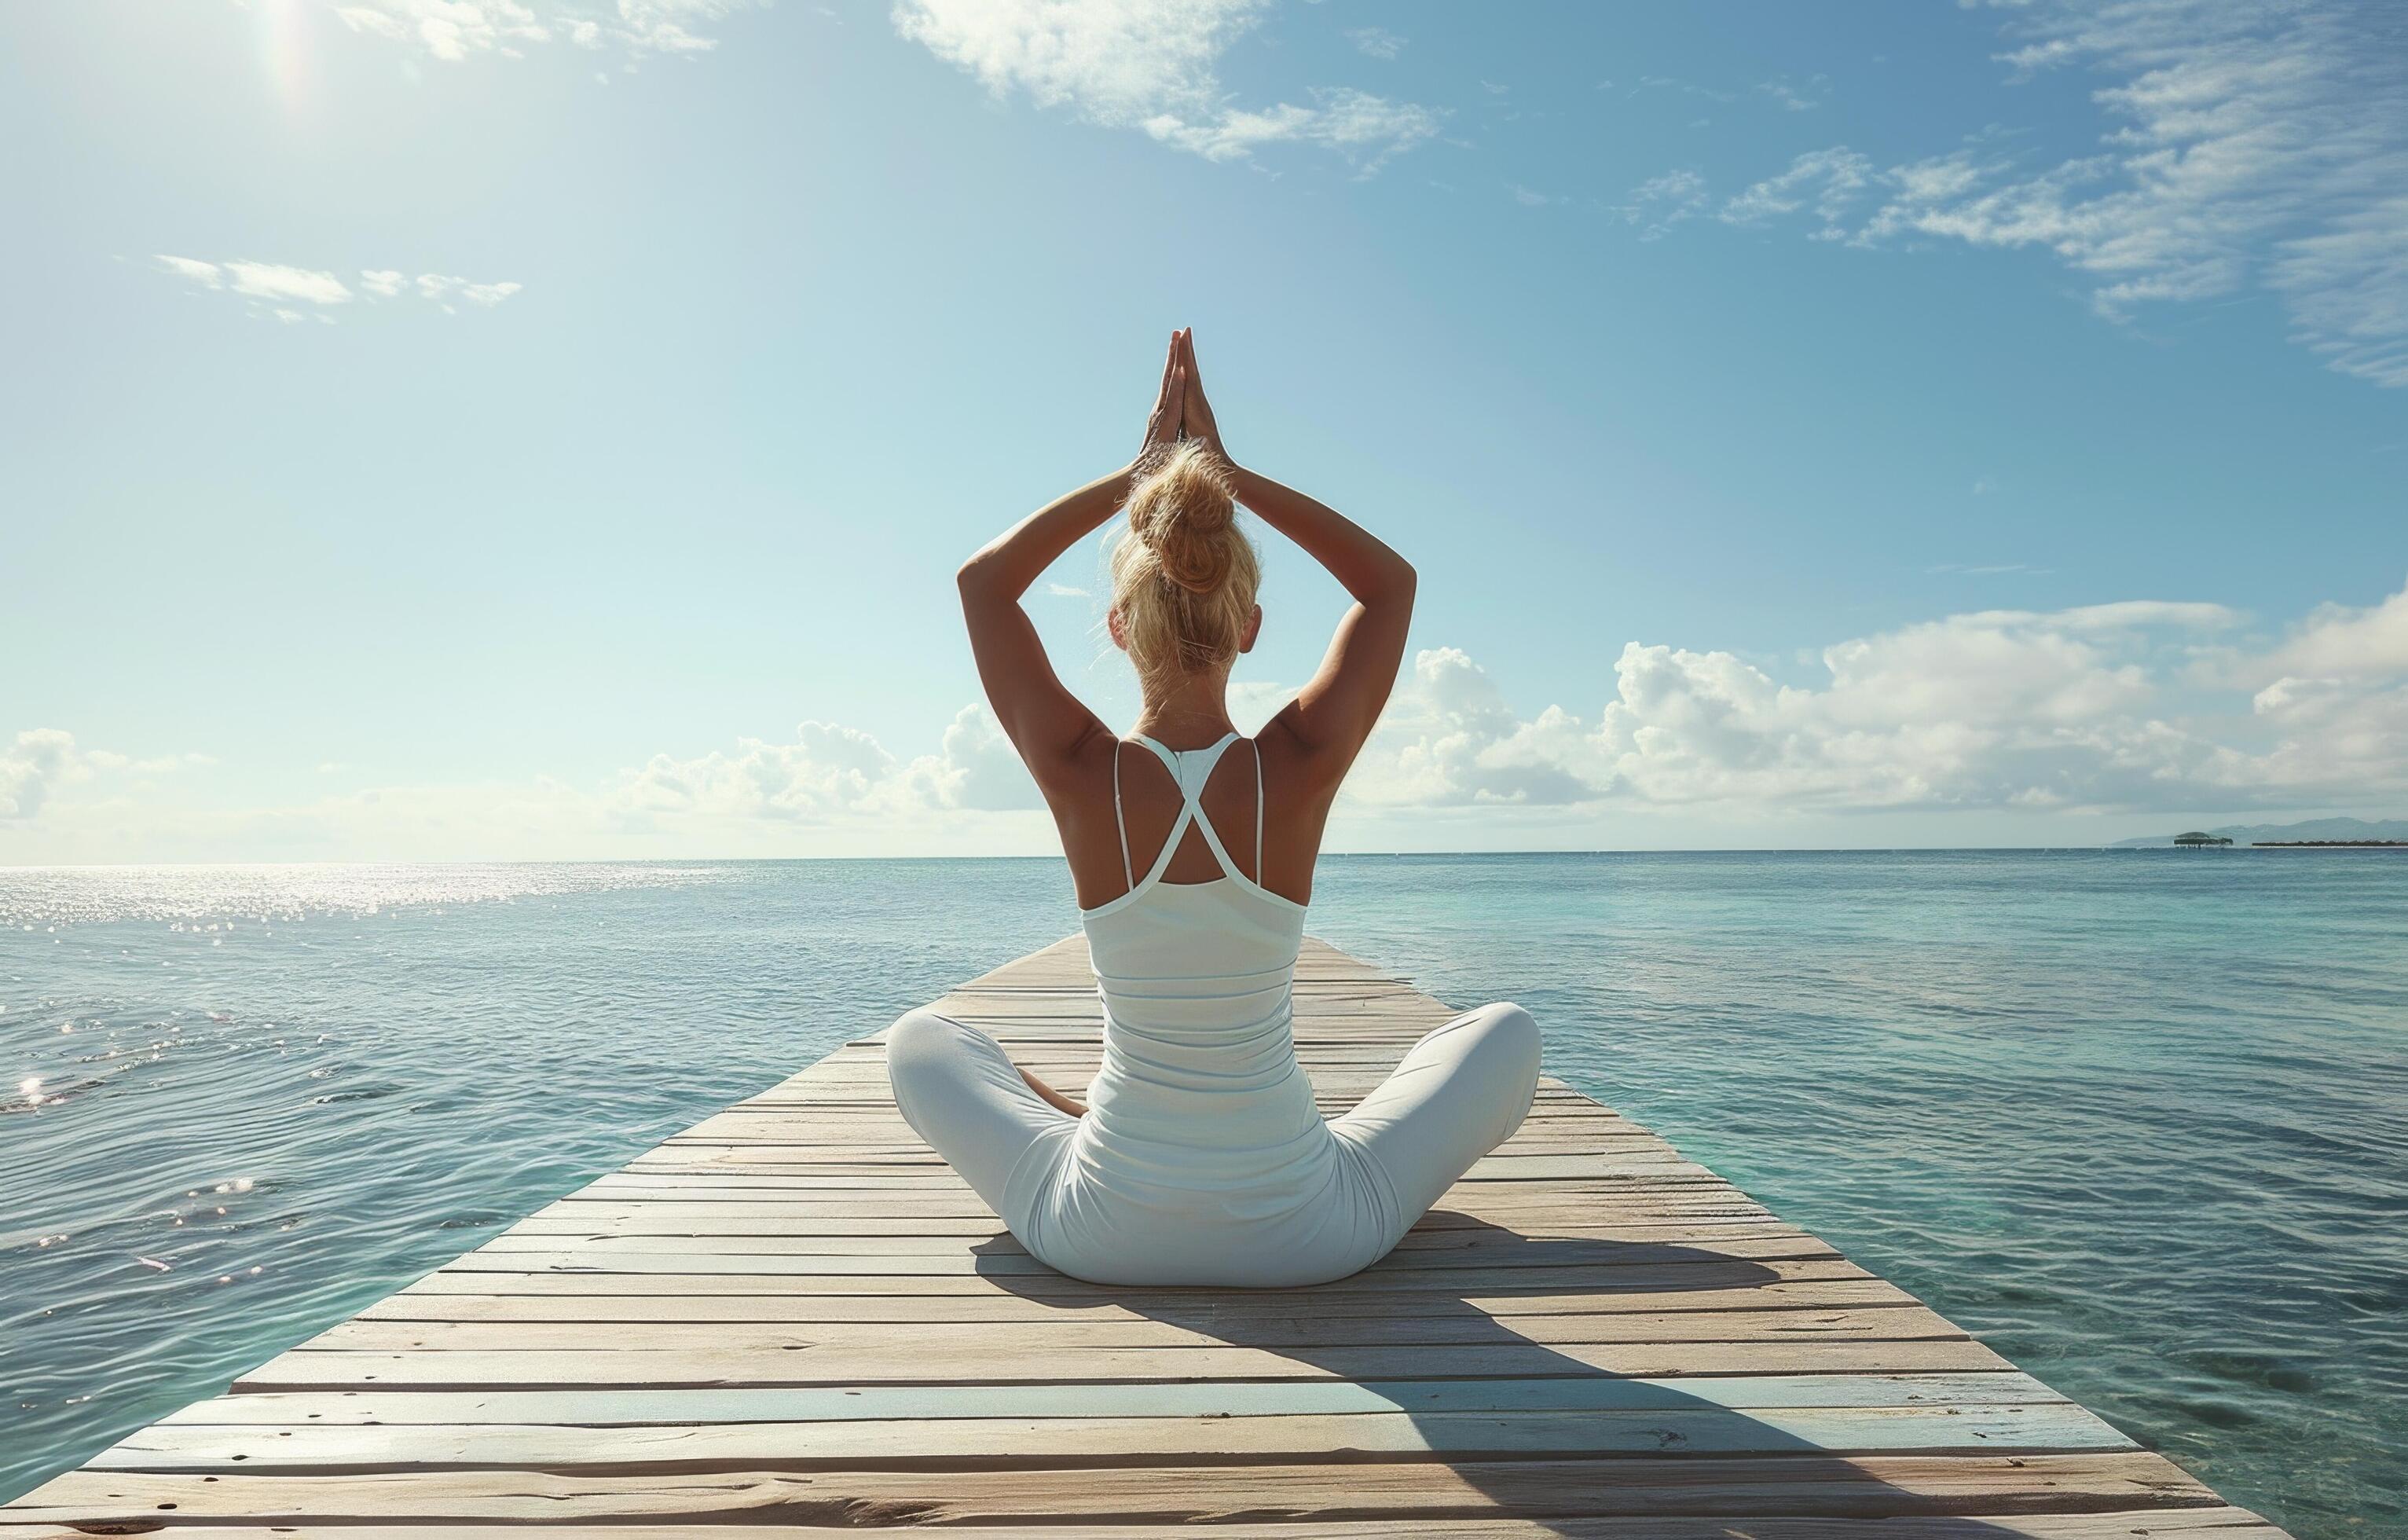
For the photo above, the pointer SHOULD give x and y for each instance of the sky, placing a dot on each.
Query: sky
(465, 429)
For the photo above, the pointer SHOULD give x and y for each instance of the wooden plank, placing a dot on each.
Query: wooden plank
(2212, 1523)
(1203, 1399)
(413, 1305)
(1560, 1243)
(1086, 1442)
(1679, 1275)
(994, 1260)
(793, 1319)
(1302, 1329)
(1509, 1355)
(1418, 1492)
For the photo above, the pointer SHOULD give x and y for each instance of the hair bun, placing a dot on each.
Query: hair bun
(1186, 515)
(1183, 573)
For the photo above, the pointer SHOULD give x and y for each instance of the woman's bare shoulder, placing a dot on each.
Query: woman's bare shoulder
(1308, 770)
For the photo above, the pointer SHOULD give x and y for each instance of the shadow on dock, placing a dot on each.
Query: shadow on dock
(1530, 1430)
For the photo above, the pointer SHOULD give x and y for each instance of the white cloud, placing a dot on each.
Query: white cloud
(1152, 65)
(664, 26)
(281, 288)
(274, 281)
(30, 767)
(1791, 96)
(2246, 147)
(2340, 643)
(1828, 179)
(42, 760)
(1661, 202)
(1376, 42)
(829, 772)
(977, 768)
(203, 273)
(456, 31)
(2076, 709)
(442, 290)
(264, 280)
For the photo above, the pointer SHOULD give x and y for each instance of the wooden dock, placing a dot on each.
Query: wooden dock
(791, 1320)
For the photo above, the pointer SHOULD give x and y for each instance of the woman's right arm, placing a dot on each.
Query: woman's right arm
(1334, 714)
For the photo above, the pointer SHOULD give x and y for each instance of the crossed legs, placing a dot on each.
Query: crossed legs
(960, 1091)
(1458, 1093)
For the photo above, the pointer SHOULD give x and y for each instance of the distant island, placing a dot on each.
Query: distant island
(2331, 844)
(2314, 833)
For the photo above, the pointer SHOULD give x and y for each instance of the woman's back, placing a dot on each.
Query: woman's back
(1199, 1092)
(1202, 1155)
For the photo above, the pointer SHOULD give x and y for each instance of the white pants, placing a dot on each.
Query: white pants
(1458, 1093)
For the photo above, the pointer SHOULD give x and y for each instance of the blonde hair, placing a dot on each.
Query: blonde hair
(1183, 574)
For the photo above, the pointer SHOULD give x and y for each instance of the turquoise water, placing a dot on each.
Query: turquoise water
(2139, 1119)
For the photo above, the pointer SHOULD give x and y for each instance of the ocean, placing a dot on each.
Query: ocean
(2139, 1119)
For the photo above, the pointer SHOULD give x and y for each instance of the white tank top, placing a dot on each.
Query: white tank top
(1199, 1108)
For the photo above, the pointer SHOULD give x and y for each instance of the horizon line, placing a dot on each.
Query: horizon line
(1327, 855)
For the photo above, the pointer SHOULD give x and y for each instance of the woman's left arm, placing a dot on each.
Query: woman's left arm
(1045, 722)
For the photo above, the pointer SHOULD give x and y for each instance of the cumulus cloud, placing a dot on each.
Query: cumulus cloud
(279, 288)
(2246, 147)
(831, 771)
(976, 767)
(1152, 65)
(827, 771)
(2087, 708)
(42, 760)
(2341, 642)
(30, 767)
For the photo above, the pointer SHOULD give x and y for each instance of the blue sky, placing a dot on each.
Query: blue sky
(466, 428)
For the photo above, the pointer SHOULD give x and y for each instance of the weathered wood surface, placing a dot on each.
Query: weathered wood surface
(793, 1318)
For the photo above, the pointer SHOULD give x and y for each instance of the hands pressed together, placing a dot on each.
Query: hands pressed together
(1179, 410)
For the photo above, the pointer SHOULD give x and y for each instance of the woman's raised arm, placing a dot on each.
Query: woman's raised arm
(1045, 722)
(1334, 714)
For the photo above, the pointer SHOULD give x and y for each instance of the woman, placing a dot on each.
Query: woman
(1199, 1156)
